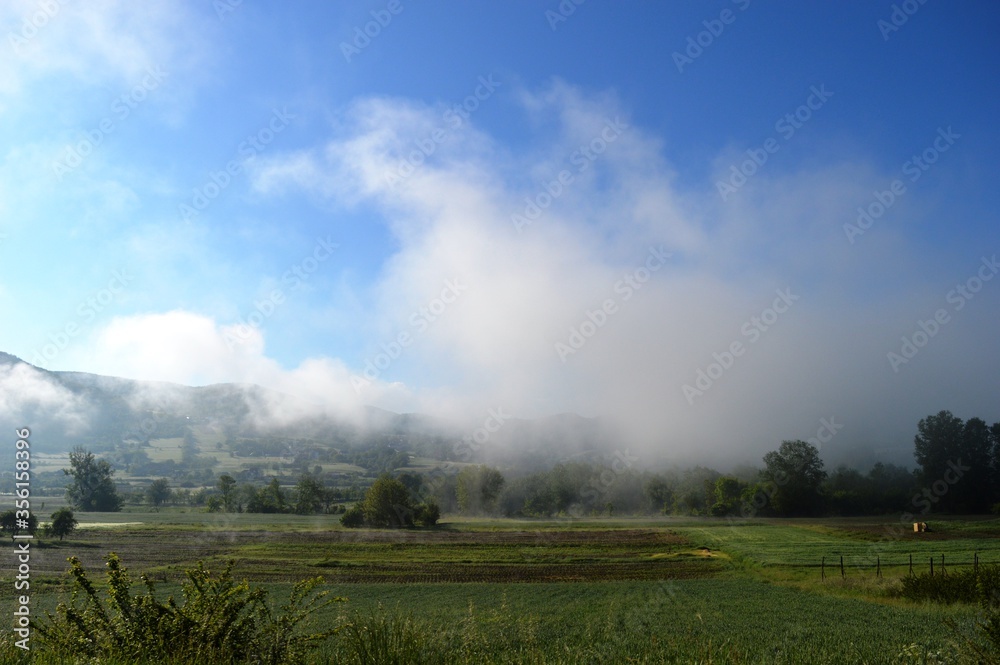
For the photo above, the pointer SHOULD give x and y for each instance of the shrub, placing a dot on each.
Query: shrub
(427, 514)
(386, 639)
(63, 523)
(218, 621)
(966, 586)
(353, 518)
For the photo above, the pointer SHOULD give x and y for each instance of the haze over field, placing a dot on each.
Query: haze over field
(714, 226)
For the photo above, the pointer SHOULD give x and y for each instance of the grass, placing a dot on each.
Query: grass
(594, 590)
(749, 620)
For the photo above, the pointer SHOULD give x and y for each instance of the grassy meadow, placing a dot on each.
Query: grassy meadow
(606, 590)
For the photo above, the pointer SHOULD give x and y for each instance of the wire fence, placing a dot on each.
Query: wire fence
(939, 564)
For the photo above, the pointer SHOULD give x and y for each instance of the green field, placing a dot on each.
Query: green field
(600, 590)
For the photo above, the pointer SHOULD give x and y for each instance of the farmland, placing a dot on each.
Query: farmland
(598, 590)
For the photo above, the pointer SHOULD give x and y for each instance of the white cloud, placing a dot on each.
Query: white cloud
(525, 291)
(97, 40)
(191, 349)
(24, 389)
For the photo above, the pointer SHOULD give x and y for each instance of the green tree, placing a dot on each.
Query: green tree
(695, 493)
(413, 482)
(92, 487)
(427, 514)
(795, 473)
(158, 492)
(477, 489)
(727, 496)
(387, 504)
(310, 495)
(63, 522)
(659, 493)
(938, 439)
(9, 523)
(957, 457)
(974, 490)
(227, 485)
(189, 448)
(270, 499)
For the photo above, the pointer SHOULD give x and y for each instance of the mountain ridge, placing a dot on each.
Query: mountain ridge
(107, 413)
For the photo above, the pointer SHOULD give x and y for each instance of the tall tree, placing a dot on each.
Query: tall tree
(974, 491)
(309, 495)
(189, 449)
(226, 485)
(727, 496)
(477, 489)
(269, 499)
(794, 474)
(158, 492)
(92, 487)
(956, 461)
(938, 439)
(995, 461)
(659, 493)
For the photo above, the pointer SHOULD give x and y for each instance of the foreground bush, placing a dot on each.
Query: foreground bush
(218, 621)
(980, 585)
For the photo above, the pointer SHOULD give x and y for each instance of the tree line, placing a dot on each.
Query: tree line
(959, 471)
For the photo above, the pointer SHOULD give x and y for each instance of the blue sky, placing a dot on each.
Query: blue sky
(202, 193)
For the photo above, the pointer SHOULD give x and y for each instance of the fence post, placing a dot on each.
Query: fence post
(942, 564)
(878, 566)
(975, 563)
(932, 566)
(822, 568)
(843, 575)
(911, 564)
